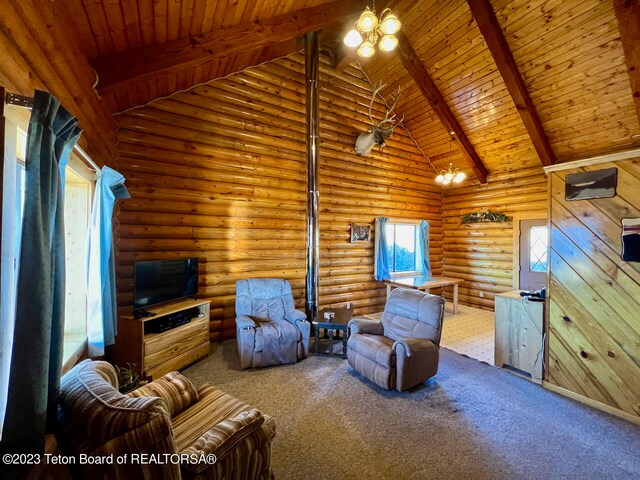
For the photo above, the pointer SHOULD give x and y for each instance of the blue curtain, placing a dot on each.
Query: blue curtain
(424, 246)
(36, 359)
(101, 283)
(381, 255)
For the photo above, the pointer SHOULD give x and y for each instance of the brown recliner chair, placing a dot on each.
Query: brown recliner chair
(401, 350)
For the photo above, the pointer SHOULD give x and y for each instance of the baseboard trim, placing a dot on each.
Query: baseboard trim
(592, 403)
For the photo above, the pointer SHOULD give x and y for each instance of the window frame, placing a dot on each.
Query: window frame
(418, 256)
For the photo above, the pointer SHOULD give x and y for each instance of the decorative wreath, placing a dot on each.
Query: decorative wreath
(485, 216)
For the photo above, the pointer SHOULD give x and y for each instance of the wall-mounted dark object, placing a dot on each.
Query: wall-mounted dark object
(587, 185)
(631, 239)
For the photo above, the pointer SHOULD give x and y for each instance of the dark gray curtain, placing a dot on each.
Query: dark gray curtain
(36, 360)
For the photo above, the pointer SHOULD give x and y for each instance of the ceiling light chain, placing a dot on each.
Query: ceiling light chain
(374, 29)
(401, 125)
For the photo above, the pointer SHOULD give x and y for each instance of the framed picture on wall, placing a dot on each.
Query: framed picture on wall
(360, 233)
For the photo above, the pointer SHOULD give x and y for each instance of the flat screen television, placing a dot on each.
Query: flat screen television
(160, 281)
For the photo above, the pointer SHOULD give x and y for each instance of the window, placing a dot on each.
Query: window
(78, 191)
(403, 248)
(13, 204)
(538, 240)
(12, 179)
(18, 204)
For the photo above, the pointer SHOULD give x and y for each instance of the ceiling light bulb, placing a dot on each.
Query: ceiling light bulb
(388, 43)
(367, 21)
(353, 39)
(366, 50)
(440, 178)
(460, 176)
(446, 181)
(448, 177)
(390, 24)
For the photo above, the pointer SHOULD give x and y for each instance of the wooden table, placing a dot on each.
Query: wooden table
(426, 283)
(338, 323)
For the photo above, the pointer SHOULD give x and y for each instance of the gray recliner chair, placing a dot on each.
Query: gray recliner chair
(401, 350)
(270, 331)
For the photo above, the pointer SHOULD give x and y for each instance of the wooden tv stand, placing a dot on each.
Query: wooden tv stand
(155, 354)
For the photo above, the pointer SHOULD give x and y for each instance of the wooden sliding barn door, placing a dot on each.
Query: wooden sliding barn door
(594, 305)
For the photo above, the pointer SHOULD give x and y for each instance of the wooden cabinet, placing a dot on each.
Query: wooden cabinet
(156, 353)
(518, 334)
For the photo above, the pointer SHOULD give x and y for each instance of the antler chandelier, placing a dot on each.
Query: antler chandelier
(373, 29)
(445, 177)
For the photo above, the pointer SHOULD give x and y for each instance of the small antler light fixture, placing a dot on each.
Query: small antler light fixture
(373, 29)
(445, 177)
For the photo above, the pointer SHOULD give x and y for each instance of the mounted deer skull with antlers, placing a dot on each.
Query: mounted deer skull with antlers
(378, 132)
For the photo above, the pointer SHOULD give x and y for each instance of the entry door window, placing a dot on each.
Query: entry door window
(538, 242)
(534, 244)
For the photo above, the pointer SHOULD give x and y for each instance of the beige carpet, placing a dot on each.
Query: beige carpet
(470, 421)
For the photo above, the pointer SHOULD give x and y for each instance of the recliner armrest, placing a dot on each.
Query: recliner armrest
(360, 325)
(293, 316)
(222, 439)
(245, 322)
(415, 346)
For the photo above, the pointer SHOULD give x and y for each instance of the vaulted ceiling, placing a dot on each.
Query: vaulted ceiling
(522, 82)
(568, 53)
(146, 49)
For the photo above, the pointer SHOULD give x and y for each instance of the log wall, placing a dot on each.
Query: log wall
(218, 172)
(594, 325)
(482, 253)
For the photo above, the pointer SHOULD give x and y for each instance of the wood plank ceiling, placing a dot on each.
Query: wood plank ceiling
(104, 28)
(569, 56)
(573, 90)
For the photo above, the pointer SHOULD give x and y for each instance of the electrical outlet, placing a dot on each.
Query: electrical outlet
(481, 294)
(348, 305)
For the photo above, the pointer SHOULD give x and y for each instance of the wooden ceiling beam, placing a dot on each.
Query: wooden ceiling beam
(156, 60)
(416, 69)
(628, 15)
(496, 42)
